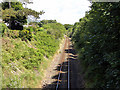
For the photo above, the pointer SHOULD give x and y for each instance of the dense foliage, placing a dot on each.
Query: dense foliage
(42, 22)
(55, 29)
(67, 26)
(15, 5)
(15, 15)
(69, 29)
(96, 37)
(25, 53)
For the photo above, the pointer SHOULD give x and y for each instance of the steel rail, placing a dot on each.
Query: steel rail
(60, 67)
(68, 66)
(58, 77)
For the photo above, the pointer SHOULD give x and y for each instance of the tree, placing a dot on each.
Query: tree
(15, 5)
(16, 15)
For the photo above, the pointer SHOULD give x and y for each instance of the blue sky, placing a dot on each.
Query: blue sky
(64, 11)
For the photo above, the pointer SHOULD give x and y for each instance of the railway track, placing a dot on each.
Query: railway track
(68, 65)
(66, 74)
(63, 81)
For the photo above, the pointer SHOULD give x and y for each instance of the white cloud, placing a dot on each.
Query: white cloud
(64, 11)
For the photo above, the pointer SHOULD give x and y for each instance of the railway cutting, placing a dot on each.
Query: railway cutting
(65, 73)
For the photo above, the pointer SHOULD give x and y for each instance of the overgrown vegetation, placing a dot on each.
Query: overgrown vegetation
(69, 29)
(96, 38)
(55, 29)
(25, 53)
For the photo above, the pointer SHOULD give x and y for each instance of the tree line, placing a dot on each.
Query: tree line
(96, 39)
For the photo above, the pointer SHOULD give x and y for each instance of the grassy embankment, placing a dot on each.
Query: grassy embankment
(26, 54)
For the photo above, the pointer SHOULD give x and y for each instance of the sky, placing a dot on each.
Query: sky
(64, 11)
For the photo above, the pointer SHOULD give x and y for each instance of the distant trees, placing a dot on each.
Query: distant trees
(56, 29)
(41, 23)
(67, 26)
(69, 29)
